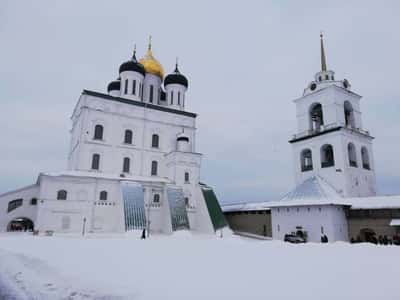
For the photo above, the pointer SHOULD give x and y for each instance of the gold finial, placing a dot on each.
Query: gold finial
(149, 42)
(323, 58)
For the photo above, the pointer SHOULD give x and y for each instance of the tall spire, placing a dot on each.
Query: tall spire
(176, 65)
(149, 42)
(323, 59)
(134, 53)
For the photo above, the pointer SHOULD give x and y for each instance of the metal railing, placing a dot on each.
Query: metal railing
(323, 128)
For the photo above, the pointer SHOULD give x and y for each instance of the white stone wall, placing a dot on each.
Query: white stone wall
(115, 118)
(176, 96)
(179, 163)
(155, 81)
(332, 99)
(82, 203)
(25, 211)
(127, 81)
(316, 220)
(349, 181)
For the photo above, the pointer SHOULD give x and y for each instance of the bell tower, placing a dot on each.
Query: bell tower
(330, 140)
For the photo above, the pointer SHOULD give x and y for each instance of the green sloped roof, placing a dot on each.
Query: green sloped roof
(214, 209)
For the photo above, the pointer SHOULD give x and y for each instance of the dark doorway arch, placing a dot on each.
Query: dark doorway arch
(367, 235)
(21, 224)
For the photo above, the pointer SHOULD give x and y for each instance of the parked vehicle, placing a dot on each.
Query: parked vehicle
(293, 238)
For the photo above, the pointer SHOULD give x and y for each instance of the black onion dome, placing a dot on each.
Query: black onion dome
(176, 78)
(114, 86)
(132, 65)
(183, 138)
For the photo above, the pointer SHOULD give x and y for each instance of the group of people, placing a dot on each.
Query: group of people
(380, 240)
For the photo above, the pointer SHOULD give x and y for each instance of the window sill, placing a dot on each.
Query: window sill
(323, 165)
(306, 169)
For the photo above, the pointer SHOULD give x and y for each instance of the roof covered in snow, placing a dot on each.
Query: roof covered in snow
(101, 175)
(317, 191)
(313, 189)
(395, 222)
(376, 202)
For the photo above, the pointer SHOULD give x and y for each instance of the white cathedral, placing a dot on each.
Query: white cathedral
(132, 164)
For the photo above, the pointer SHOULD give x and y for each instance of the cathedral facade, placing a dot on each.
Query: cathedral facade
(132, 163)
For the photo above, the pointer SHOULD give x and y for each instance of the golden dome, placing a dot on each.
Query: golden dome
(151, 65)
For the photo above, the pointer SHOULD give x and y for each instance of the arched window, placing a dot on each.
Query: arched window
(186, 177)
(103, 195)
(151, 94)
(327, 157)
(316, 117)
(306, 160)
(365, 158)
(154, 168)
(186, 201)
(126, 165)
(13, 204)
(349, 114)
(172, 97)
(95, 161)
(128, 136)
(179, 98)
(319, 78)
(155, 141)
(156, 198)
(351, 150)
(34, 201)
(134, 88)
(326, 77)
(62, 195)
(98, 132)
(126, 86)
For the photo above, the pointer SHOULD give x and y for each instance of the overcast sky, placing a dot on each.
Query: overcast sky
(245, 60)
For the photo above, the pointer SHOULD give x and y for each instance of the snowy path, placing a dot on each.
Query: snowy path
(23, 277)
(183, 267)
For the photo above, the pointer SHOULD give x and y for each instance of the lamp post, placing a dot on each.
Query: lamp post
(83, 227)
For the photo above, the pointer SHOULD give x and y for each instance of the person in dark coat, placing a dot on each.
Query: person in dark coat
(143, 234)
(325, 238)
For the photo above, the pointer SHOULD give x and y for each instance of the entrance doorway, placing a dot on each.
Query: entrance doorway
(367, 235)
(20, 224)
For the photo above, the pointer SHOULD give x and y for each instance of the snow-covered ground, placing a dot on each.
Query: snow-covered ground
(193, 267)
